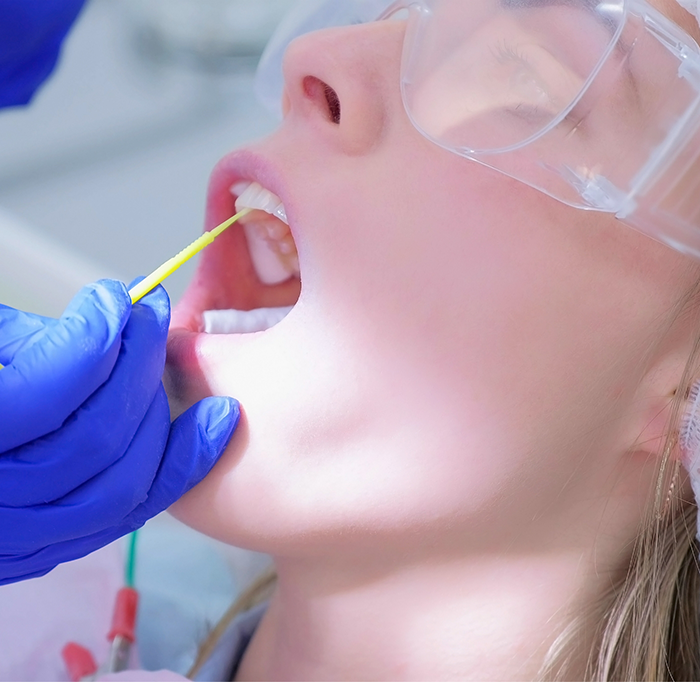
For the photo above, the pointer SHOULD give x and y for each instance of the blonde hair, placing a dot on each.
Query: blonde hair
(647, 627)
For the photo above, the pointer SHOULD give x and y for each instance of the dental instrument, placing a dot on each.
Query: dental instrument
(138, 291)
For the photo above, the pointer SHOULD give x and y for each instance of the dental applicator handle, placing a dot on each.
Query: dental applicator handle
(147, 285)
(157, 276)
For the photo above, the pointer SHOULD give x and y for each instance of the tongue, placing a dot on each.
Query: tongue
(242, 321)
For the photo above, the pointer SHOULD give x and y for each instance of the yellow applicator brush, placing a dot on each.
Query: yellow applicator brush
(147, 285)
(157, 276)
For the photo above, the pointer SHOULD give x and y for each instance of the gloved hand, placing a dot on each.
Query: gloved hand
(31, 34)
(87, 450)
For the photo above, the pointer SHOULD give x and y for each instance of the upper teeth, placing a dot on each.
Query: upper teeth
(270, 242)
(253, 195)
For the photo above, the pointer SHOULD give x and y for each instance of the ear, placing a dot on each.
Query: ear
(659, 411)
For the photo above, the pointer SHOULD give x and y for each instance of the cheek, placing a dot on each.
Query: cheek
(519, 318)
(452, 278)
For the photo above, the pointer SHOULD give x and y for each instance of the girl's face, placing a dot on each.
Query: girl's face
(467, 360)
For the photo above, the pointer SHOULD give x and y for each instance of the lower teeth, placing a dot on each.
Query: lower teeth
(242, 321)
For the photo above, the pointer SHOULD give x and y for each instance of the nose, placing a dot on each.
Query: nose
(345, 82)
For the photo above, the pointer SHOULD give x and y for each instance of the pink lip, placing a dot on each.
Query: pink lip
(241, 165)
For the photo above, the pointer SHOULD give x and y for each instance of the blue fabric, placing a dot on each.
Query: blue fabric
(87, 450)
(31, 35)
(224, 661)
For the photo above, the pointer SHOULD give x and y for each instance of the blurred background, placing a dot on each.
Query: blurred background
(105, 173)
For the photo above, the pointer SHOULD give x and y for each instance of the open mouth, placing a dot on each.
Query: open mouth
(249, 280)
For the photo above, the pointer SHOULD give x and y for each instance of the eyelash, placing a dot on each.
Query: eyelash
(505, 53)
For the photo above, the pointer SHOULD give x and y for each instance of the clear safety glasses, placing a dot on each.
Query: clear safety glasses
(595, 103)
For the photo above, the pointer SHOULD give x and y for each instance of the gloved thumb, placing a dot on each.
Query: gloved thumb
(197, 440)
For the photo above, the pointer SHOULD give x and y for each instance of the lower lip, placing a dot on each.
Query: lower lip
(185, 348)
(189, 350)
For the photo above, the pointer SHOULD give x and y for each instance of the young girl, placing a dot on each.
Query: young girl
(461, 446)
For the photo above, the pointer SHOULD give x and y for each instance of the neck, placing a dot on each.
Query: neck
(471, 619)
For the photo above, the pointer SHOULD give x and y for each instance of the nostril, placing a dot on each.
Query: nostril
(321, 92)
(333, 104)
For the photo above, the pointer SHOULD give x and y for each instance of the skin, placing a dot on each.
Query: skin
(449, 444)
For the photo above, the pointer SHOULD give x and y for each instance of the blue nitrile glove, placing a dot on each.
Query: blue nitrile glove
(31, 34)
(87, 450)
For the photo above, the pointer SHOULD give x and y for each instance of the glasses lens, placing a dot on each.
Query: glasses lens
(487, 75)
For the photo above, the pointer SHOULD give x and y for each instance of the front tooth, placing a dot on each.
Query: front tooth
(255, 196)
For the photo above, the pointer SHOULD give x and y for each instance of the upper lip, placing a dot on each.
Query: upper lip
(239, 166)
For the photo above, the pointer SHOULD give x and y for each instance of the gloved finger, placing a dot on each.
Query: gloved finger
(17, 328)
(31, 34)
(100, 431)
(14, 569)
(48, 381)
(103, 502)
(197, 440)
(202, 434)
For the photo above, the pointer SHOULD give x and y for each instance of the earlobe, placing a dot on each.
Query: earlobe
(653, 437)
(663, 407)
